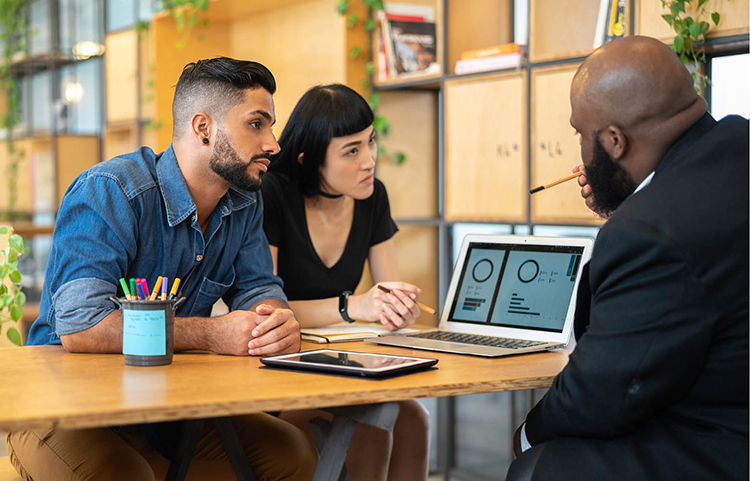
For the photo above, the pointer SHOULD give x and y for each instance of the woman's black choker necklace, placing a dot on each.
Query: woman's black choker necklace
(329, 196)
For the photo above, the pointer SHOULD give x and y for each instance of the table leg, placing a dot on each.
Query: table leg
(332, 439)
(233, 447)
(178, 468)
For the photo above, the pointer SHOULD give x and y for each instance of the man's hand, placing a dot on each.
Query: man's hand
(277, 332)
(517, 441)
(586, 192)
(268, 330)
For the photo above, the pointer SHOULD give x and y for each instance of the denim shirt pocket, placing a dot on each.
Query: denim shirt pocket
(210, 292)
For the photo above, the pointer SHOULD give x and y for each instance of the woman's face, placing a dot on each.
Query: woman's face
(349, 165)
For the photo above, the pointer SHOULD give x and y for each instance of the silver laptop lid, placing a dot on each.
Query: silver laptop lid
(520, 287)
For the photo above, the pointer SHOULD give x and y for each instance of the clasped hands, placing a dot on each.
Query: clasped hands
(264, 331)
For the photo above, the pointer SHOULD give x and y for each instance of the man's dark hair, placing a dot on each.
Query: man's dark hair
(214, 86)
(324, 112)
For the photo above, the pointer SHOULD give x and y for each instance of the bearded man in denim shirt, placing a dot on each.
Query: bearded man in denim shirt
(192, 212)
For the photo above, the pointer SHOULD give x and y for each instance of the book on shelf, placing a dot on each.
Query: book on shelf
(406, 41)
(494, 62)
(610, 22)
(491, 51)
(345, 332)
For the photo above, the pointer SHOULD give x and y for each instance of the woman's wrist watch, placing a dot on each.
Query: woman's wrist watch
(344, 306)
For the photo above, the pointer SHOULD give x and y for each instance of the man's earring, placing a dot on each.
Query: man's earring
(205, 140)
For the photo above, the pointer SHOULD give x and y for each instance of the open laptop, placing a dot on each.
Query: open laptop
(508, 295)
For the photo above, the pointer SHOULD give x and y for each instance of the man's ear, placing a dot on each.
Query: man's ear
(299, 158)
(201, 125)
(615, 142)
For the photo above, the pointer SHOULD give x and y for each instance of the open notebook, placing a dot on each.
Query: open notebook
(344, 332)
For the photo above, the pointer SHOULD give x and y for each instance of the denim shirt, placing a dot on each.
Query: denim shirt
(133, 216)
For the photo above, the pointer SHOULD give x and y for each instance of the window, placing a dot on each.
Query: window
(730, 77)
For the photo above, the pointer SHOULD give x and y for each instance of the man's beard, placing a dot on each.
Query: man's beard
(229, 166)
(610, 184)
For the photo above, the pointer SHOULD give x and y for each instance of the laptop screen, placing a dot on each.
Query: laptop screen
(516, 285)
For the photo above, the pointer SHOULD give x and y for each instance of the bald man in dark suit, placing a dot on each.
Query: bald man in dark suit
(657, 386)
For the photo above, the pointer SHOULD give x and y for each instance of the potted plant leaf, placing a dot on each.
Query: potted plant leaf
(11, 297)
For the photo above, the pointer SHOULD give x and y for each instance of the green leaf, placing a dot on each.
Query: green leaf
(20, 299)
(15, 277)
(3, 230)
(342, 7)
(701, 2)
(7, 299)
(675, 9)
(369, 3)
(400, 158)
(14, 336)
(695, 29)
(381, 152)
(204, 23)
(679, 43)
(370, 25)
(351, 20)
(374, 101)
(354, 53)
(364, 83)
(370, 68)
(16, 312)
(3, 290)
(715, 17)
(201, 37)
(704, 27)
(380, 124)
(378, 5)
(12, 256)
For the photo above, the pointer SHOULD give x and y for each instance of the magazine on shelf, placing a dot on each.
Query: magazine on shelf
(406, 41)
(414, 47)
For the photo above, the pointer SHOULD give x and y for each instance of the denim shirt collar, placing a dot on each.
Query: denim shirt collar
(177, 199)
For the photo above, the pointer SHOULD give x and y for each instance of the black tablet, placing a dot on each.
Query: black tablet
(350, 363)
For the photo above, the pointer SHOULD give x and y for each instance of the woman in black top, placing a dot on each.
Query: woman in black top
(325, 215)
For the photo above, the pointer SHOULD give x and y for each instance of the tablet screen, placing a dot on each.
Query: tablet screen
(358, 363)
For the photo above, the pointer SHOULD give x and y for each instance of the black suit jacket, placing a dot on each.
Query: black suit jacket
(657, 386)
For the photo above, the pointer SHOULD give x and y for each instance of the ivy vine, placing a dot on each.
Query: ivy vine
(12, 41)
(690, 37)
(380, 122)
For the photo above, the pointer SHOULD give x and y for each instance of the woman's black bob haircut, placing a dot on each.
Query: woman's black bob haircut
(324, 112)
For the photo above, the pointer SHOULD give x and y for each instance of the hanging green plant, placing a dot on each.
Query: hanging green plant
(11, 297)
(380, 123)
(185, 14)
(690, 37)
(12, 41)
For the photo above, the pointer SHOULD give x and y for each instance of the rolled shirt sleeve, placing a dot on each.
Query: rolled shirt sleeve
(91, 252)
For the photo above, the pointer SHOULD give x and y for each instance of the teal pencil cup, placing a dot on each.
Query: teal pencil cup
(147, 330)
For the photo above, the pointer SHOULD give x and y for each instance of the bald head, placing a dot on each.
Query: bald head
(635, 83)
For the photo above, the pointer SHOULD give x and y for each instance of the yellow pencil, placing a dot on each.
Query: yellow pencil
(560, 181)
(426, 309)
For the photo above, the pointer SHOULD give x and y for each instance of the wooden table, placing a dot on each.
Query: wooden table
(45, 386)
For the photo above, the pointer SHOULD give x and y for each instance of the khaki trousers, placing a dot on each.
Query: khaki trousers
(275, 449)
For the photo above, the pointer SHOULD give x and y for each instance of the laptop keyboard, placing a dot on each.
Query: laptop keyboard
(476, 339)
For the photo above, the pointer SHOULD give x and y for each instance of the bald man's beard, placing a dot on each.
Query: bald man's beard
(229, 166)
(610, 184)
